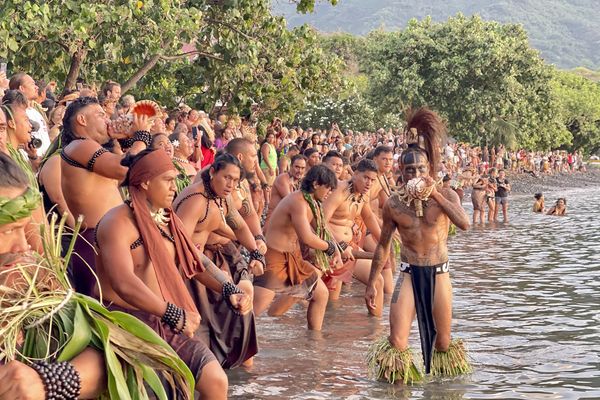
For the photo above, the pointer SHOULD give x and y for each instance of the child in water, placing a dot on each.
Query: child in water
(538, 204)
(560, 208)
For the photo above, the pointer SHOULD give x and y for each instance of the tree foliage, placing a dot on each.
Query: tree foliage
(566, 32)
(481, 76)
(579, 100)
(233, 52)
(63, 38)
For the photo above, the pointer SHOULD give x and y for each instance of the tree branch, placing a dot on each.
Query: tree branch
(233, 28)
(190, 53)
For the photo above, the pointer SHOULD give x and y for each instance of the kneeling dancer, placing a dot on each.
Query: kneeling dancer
(144, 257)
(287, 272)
(421, 211)
(207, 211)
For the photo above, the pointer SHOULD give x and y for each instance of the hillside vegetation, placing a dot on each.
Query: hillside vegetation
(566, 32)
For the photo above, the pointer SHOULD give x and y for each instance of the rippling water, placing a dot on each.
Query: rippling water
(525, 301)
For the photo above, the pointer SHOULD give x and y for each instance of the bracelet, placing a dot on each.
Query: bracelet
(343, 245)
(265, 185)
(229, 289)
(258, 256)
(125, 143)
(172, 316)
(260, 237)
(143, 136)
(61, 380)
(330, 248)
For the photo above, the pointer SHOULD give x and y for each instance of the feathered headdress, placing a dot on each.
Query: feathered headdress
(425, 132)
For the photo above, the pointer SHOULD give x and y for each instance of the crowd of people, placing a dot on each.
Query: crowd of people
(194, 226)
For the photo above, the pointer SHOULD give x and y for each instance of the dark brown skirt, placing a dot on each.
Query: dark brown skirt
(231, 337)
(193, 351)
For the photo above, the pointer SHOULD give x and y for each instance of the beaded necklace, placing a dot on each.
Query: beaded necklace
(181, 160)
(355, 198)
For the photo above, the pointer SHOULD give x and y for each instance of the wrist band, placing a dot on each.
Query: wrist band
(61, 380)
(258, 256)
(228, 290)
(143, 136)
(343, 245)
(330, 248)
(260, 237)
(172, 316)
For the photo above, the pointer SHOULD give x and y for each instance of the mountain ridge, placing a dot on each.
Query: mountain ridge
(566, 32)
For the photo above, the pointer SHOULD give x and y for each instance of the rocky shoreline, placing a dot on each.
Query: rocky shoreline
(528, 184)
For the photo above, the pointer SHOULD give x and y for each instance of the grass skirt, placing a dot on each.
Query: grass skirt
(453, 362)
(389, 364)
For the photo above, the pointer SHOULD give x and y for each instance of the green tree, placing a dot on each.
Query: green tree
(124, 40)
(65, 38)
(579, 100)
(481, 76)
(256, 63)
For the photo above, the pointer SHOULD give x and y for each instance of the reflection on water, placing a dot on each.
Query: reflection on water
(525, 300)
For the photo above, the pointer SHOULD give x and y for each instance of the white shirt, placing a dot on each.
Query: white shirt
(41, 133)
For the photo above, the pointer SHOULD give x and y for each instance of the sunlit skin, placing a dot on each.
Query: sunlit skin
(12, 236)
(241, 197)
(335, 164)
(17, 380)
(314, 159)
(19, 127)
(183, 150)
(29, 88)
(3, 132)
(342, 213)
(128, 277)
(92, 194)
(379, 195)
(560, 208)
(210, 225)
(285, 184)
(424, 243)
(115, 93)
(290, 223)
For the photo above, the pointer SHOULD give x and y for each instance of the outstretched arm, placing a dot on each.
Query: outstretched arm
(382, 251)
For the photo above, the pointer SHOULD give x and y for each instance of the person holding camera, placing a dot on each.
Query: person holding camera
(26, 85)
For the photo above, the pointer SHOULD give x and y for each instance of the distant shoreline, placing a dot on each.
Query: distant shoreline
(528, 184)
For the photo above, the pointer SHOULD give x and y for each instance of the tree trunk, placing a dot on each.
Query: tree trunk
(140, 73)
(76, 61)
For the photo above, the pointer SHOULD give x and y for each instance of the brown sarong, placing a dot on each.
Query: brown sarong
(193, 351)
(289, 274)
(231, 337)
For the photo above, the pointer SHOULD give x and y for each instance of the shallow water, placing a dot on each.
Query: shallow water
(525, 301)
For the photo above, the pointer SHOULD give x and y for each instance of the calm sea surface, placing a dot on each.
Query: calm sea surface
(526, 296)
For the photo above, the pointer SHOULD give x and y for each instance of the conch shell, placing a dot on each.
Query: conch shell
(143, 107)
(418, 189)
(147, 108)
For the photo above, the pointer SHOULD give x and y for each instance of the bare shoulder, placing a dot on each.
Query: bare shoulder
(81, 150)
(292, 202)
(186, 193)
(118, 223)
